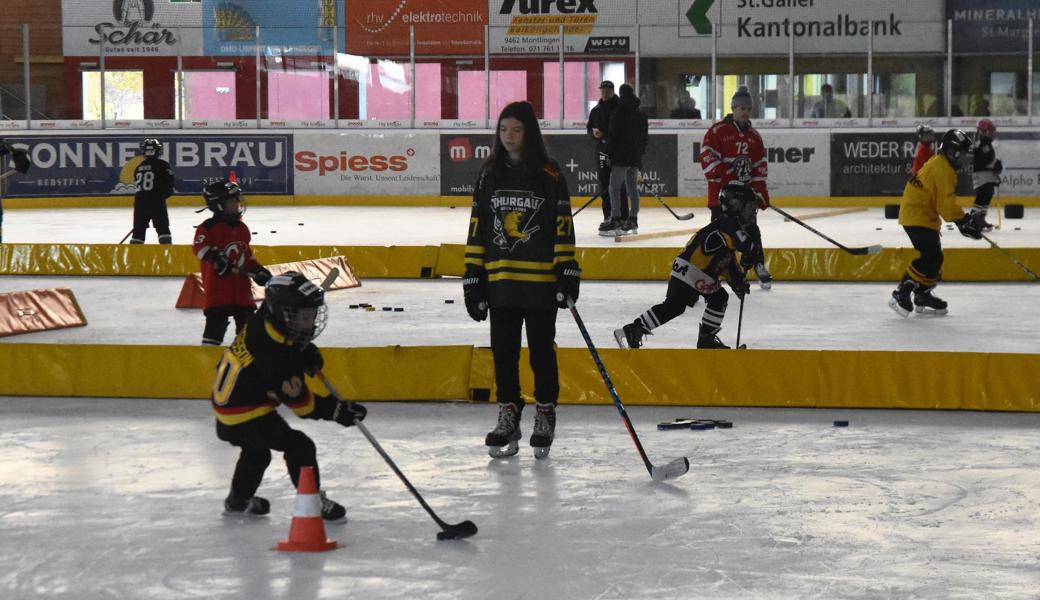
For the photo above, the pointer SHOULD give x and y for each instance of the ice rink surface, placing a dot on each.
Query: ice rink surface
(115, 498)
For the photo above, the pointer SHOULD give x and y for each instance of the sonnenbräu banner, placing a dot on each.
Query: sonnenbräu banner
(95, 165)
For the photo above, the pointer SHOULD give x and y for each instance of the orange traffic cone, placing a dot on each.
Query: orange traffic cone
(307, 531)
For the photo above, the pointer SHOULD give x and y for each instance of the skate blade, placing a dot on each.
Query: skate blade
(504, 451)
(930, 312)
(622, 340)
(541, 452)
(765, 285)
(902, 312)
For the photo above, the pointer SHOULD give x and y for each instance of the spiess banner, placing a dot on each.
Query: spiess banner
(355, 163)
(381, 27)
(462, 154)
(71, 165)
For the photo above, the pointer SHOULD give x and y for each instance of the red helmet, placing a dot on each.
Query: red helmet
(986, 128)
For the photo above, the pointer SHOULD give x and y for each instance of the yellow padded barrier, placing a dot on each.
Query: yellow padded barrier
(782, 378)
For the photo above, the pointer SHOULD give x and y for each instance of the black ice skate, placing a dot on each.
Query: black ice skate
(900, 300)
(709, 339)
(765, 278)
(255, 506)
(544, 429)
(611, 228)
(503, 439)
(926, 303)
(631, 335)
(331, 510)
(629, 226)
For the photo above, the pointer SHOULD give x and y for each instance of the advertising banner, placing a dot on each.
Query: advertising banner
(286, 28)
(463, 153)
(533, 26)
(96, 165)
(131, 27)
(872, 163)
(799, 161)
(358, 163)
(685, 27)
(442, 27)
(993, 25)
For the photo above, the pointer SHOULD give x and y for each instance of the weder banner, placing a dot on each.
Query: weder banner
(381, 27)
(877, 163)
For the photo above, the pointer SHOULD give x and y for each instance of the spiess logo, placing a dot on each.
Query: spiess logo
(308, 160)
(460, 150)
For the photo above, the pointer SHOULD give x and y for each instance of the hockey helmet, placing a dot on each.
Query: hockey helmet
(738, 201)
(925, 134)
(955, 145)
(986, 129)
(296, 306)
(217, 195)
(151, 147)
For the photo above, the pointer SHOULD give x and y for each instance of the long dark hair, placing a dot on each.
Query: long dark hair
(534, 156)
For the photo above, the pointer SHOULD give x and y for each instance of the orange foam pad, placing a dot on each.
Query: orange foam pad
(193, 295)
(39, 310)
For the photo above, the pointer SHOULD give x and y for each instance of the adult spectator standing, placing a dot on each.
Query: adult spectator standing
(686, 108)
(732, 150)
(597, 126)
(626, 144)
(829, 107)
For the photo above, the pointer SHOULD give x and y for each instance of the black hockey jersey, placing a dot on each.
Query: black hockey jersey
(984, 164)
(153, 179)
(520, 227)
(709, 256)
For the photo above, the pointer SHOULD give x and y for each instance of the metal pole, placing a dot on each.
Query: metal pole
(790, 81)
(487, 77)
(949, 72)
(870, 77)
(637, 59)
(257, 34)
(562, 106)
(101, 68)
(180, 82)
(1029, 75)
(714, 92)
(411, 58)
(25, 75)
(335, 75)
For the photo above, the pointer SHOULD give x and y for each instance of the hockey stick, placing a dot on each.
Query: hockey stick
(448, 531)
(126, 236)
(675, 468)
(635, 237)
(831, 213)
(330, 279)
(8, 173)
(685, 217)
(856, 251)
(1017, 262)
(740, 316)
(575, 213)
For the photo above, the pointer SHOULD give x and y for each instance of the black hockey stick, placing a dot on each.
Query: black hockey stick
(675, 468)
(856, 251)
(1017, 262)
(126, 236)
(448, 531)
(685, 217)
(740, 315)
(575, 213)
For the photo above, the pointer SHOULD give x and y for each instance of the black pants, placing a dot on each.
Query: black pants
(924, 269)
(603, 176)
(751, 228)
(984, 195)
(678, 298)
(257, 438)
(154, 212)
(217, 322)
(506, 325)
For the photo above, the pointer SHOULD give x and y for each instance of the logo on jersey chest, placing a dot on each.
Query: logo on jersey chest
(515, 212)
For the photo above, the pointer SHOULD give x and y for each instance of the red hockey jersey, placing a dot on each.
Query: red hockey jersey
(233, 288)
(730, 153)
(924, 152)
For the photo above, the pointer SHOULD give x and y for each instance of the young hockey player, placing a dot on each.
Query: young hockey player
(265, 367)
(154, 181)
(925, 147)
(222, 245)
(732, 150)
(520, 266)
(985, 172)
(929, 195)
(698, 270)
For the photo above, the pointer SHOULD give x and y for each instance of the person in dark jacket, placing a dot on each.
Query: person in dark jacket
(626, 144)
(520, 266)
(599, 122)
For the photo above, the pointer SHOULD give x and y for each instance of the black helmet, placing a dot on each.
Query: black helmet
(296, 306)
(151, 147)
(218, 193)
(955, 145)
(738, 201)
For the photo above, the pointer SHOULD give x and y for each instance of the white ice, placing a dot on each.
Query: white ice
(114, 499)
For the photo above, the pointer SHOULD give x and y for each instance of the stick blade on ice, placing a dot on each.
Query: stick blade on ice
(676, 468)
(458, 531)
(875, 249)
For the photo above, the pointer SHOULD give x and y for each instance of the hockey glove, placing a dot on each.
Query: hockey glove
(998, 168)
(348, 413)
(763, 200)
(260, 275)
(738, 283)
(474, 292)
(312, 359)
(751, 257)
(568, 279)
(969, 227)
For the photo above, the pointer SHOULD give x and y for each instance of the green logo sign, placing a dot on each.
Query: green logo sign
(698, 16)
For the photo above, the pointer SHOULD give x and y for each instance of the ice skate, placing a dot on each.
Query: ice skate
(629, 226)
(611, 228)
(900, 300)
(709, 339)
(255, 506)
(332, 511)
(765, 278)
(979, 217)
(503, 440)
(926, 303)
(544, 429)
(631, 335)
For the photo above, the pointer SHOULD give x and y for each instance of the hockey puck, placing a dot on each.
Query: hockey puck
(388, 308)
(253, 232)
(398, 309)
(701, 427)
(370, 308)
(353, 306)
(449, 302)
(877, 229)
(841, 423)
(273, 231)
(1018, 229)
(724, 424)
(300, 224)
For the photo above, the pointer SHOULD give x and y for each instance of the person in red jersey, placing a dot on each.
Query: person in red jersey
(222, 246)
(732, 150)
